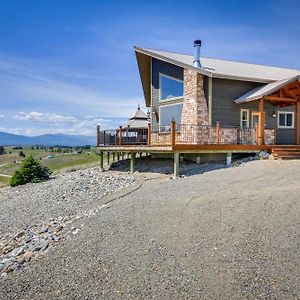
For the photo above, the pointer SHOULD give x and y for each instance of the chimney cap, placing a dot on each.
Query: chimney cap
(197, 43)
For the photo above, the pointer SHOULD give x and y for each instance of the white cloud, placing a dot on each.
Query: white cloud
(1, 117)
(51, 118)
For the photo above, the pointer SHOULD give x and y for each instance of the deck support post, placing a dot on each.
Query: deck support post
(98, 136)
(261, 123)
(132, 162)
(297, 129)
(113, 157)
(228, 159)
(101, 162)
(176, 164)
(118, 156)
(122, 155)
(108, 154)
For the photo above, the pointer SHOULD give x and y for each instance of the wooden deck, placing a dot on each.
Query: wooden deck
(187, 148)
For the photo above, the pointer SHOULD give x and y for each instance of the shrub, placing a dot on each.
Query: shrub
(22, 154)
(30, 171)
(2, 150)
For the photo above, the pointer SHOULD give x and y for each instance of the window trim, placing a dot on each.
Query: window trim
(254, 113)
(159, 89)
(159, 113)
(241, 119)
(285, 113)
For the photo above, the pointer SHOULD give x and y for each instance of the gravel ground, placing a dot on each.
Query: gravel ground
(225, 234)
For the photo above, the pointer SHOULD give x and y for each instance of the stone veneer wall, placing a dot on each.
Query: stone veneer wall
(194, 109)
(269, 136)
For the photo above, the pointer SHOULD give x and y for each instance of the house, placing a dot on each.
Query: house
(204, 105)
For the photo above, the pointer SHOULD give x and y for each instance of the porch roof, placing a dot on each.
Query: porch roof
(266, 90)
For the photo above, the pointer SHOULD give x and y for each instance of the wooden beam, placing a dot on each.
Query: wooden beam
(290, 93)
(282, 99)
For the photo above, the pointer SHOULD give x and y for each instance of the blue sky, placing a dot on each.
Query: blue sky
(67, 65)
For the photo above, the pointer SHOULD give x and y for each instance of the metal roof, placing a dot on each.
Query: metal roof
(139, 114)
(268, 89)
(138, 120)
(221, 68)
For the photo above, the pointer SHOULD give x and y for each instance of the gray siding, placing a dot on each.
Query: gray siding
(159, 66)
(224, 110)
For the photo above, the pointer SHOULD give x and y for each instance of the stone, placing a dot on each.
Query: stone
(44, 229)
(57, 229)
(17, 252)
(1, 266)
(28, 255)
(40, 245)
(19, 234)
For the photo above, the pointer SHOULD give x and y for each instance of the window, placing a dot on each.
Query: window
(244, 118)
(169, 88)
(285, 119)
(167, 113)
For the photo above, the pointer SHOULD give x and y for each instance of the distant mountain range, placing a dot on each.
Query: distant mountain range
(9, 139)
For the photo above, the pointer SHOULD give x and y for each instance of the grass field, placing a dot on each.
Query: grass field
(10, 162)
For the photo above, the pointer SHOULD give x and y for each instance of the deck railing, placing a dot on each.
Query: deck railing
(182, 134)
(122, 136)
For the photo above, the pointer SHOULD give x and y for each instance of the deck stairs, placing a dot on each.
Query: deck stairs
(286, 152)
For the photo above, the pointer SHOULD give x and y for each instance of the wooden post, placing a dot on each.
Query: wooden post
(228, 159)
(256, 134)
(132, 162)
(176, 164)
(297, 129)
(261, 123)
(101, 162)
(122, 155)
(118, 156)
(108, 158)
(98, 135)
(113, 157)
(120, 136)
(218, 131)
(173, 132)
(149, 134)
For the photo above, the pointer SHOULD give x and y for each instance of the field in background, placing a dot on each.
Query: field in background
(10, 162)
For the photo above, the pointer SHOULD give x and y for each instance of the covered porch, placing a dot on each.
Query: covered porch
(280, 94)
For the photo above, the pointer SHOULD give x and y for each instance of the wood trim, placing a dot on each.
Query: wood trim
(285, 112)
(261, 122)
(210, 83)
(280, 99)
(297, 131)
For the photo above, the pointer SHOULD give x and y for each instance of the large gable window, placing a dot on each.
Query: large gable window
(285, 119)
(167, 113)
(169, 88)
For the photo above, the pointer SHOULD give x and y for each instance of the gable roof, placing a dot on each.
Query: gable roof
(265, 90)
(221, 68)
(212, 67)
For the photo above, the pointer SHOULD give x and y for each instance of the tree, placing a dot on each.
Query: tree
(22, 154)
(30, 171)
(2, 150)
